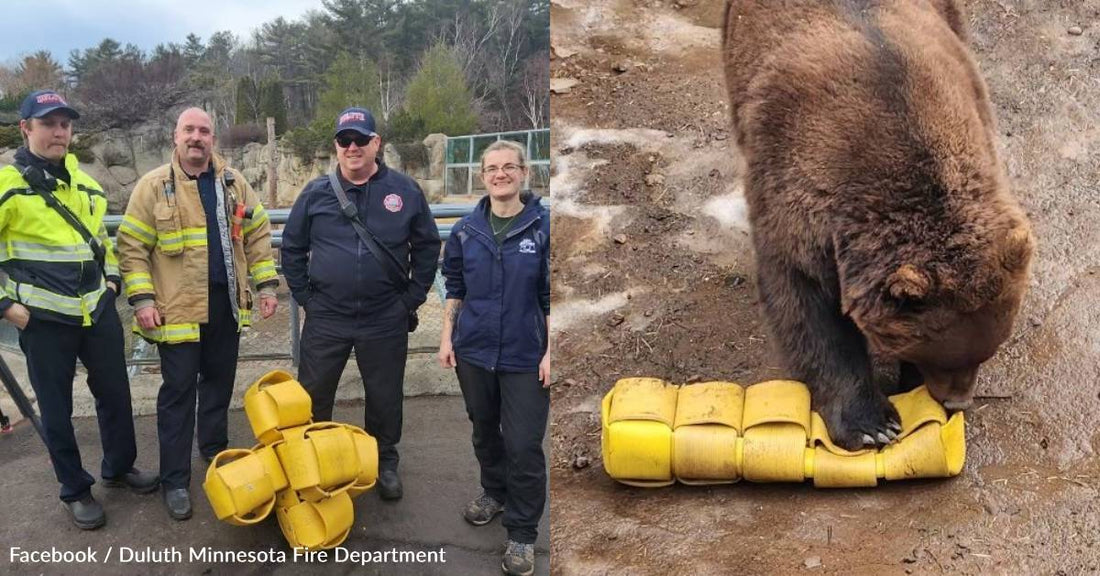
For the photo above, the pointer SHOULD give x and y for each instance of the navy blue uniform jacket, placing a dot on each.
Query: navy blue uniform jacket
(505, 290)
(333, 275)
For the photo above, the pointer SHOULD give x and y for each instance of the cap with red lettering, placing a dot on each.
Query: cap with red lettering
(41, 102)
(357, 119)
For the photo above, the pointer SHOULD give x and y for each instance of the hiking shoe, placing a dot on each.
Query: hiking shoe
(481, 510)
(519, 559)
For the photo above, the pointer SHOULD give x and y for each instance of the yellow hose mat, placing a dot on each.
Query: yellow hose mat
(655, 433)
(306, 472)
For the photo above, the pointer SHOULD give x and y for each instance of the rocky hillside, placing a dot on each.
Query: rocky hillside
(120, 158)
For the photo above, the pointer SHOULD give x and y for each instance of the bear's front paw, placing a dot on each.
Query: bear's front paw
(863, 421)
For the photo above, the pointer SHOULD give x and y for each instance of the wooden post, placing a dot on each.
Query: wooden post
(272, 184)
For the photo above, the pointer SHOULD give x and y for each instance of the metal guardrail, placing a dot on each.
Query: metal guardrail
(140, 350)
(280, 215)
(139, 355)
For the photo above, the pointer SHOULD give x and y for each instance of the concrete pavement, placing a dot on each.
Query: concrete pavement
(438, 469)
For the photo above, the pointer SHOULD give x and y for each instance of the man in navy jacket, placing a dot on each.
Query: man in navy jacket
(349, 299)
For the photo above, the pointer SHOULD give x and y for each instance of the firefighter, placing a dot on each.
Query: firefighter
(193, 235)
(357, 295)
(60, 294)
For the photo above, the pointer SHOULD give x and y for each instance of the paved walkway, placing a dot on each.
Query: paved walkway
(438, 469)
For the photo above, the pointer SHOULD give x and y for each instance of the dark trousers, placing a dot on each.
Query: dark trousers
(509, 413)
(206, 368)
(51, 349)
(325, 347)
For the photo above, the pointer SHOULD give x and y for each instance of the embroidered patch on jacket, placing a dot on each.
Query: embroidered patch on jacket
(393, 203)
(527, 246)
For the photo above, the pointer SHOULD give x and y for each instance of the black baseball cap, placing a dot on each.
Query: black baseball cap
(358, 119)
(41, 102)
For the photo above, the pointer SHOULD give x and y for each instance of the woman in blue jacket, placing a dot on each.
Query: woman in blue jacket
(497, 269)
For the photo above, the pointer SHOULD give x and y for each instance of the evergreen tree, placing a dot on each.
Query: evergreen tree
(438, 95)
(272, 103)
(248, 101)
(349, 81)
(193, 49)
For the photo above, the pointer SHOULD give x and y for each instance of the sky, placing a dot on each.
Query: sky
(78, 24)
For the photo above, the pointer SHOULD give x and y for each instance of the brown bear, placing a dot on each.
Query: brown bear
(882, 221)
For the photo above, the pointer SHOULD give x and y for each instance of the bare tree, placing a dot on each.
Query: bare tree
(502, 62)
(9, 82)
(536, 90)
(37, 71)
(468, 34)
(391, 91)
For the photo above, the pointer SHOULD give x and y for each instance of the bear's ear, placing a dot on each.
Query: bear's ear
(1018, 246)
(909, 283)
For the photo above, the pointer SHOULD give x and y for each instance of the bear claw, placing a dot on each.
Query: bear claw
(861, 422)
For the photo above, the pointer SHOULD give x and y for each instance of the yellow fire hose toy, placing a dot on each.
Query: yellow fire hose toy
(307, 472)
(655, 433)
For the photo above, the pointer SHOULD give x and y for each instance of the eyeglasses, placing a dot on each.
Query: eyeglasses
(509, 169)
(345, 140)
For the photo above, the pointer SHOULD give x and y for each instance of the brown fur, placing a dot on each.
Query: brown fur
(882, 221)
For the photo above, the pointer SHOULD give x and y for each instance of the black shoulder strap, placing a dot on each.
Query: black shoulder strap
(36, 178)
(380, 253)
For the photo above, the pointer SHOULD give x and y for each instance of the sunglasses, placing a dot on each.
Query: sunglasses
(345, 140)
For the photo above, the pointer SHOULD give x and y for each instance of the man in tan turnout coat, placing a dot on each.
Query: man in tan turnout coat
(193, 234)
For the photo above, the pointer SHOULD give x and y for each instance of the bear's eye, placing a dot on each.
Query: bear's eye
(911, 307)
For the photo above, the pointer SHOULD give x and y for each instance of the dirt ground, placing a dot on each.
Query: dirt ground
(653, 276)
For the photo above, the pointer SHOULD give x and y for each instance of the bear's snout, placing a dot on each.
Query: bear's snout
(952, 388)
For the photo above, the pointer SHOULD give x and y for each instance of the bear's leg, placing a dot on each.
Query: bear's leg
(825, 349)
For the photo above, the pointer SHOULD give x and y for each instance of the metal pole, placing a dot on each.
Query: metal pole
(295, 335)
(272, 177)
(20, 399)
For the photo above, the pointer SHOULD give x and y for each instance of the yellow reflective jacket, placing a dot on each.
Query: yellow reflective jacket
(50, 267)
(163, 252)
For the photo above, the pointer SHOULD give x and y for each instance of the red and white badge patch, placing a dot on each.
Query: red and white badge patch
(393, 203)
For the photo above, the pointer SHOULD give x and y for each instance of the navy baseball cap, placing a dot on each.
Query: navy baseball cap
(41, 102)
(357, 119)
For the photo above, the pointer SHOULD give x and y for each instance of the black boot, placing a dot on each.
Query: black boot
(138, 481)
(389, 485)
(178, 502)
(87, 513)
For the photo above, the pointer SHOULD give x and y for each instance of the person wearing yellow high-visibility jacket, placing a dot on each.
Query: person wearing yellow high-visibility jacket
(193, 234)
(60, 294)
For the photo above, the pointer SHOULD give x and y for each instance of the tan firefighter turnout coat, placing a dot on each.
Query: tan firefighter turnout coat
(162, 246)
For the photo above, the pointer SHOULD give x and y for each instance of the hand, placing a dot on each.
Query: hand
(268, 304)
(148, 317)
(113, 287)
(447, 354)
(18, 314)
(544, 371)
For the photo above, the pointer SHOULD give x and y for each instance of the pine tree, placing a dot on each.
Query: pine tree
(438, 95)
(272, 103)
(248, 101)
(349, 81)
